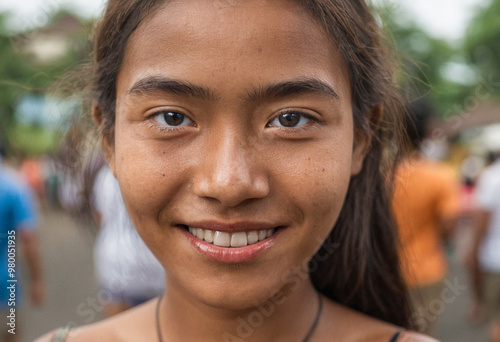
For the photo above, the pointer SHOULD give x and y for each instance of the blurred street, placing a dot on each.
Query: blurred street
(67, 248)
(453, 325)
(72, 296)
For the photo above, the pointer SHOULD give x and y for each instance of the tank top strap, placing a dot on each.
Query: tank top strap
(394, 338)
(61, 334)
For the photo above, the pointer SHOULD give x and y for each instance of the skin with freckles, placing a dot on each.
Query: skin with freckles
(231, 159)
(234, 114)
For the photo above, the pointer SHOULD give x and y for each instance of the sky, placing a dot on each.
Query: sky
(441, 18)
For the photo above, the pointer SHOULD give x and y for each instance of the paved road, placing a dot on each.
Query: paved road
(67, 257)
(453, 325)
(68, 266)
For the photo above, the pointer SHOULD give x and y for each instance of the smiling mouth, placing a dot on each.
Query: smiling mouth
(226, 239)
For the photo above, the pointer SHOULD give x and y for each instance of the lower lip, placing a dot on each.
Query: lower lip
(232, 255)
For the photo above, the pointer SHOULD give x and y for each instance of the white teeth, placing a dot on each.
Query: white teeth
(209, 236)
(200, 233)
(239, 239)
(252, 237)
(222, 239)
(225, 239)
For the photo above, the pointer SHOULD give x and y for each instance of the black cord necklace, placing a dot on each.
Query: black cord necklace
(306, 339)
(316, 320)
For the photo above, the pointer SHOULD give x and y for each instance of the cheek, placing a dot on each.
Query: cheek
(145, 174)
(316, 184)
(149, 186)
(328, 182)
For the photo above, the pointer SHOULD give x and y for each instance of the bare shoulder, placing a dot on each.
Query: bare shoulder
(411, 336)
(347, 324)
(132, 325)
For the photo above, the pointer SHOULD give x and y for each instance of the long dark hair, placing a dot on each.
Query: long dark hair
(362, 269)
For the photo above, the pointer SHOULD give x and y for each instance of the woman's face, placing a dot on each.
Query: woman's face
(234, 124)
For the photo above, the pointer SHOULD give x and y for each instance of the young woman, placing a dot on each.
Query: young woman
(250, 140)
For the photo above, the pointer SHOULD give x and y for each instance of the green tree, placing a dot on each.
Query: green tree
(13, 74)
(22, 73)
(482, 45)
(423, 60)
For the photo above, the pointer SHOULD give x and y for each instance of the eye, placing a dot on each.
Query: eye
(172, 119)
(290, 120)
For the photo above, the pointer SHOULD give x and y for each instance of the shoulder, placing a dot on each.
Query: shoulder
(373, 330)
(133, 325)
(58, 335)
(437, 169)
(9, 185)
(491, 175)
(489, 181)
(425, 170)
(12, 178)
(411, 336)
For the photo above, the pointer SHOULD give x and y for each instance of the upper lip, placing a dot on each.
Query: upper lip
(232, 227)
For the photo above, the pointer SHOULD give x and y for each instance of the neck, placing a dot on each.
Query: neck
(286, 316)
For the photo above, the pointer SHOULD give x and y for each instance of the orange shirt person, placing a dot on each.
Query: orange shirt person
(425, 204)
(425, 199)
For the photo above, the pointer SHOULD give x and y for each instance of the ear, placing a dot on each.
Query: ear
(363, 140)
(107, 138)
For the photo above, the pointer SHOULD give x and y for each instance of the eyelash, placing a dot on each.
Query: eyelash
(162, 128)
(312, 119)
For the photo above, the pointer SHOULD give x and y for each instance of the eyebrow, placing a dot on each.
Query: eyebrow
(153, 84)
(293, 87)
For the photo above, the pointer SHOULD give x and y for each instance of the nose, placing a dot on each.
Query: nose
(231, 172)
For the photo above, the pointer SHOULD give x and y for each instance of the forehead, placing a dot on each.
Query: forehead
(203, 38)
(244, 17)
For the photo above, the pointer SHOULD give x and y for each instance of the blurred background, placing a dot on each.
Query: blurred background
(450, 54)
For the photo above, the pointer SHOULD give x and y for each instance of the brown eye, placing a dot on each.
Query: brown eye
(172, 119)
(290, 120)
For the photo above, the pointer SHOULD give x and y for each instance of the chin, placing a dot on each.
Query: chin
(240, 291)
(228, 299)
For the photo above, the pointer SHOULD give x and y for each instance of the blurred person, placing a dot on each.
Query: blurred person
(470, 169)
(426, 206)
(32, 170)
(76, 184)
(18, 223)
(51, 181)
(70, 193)
(484, 259)
(126, 269)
